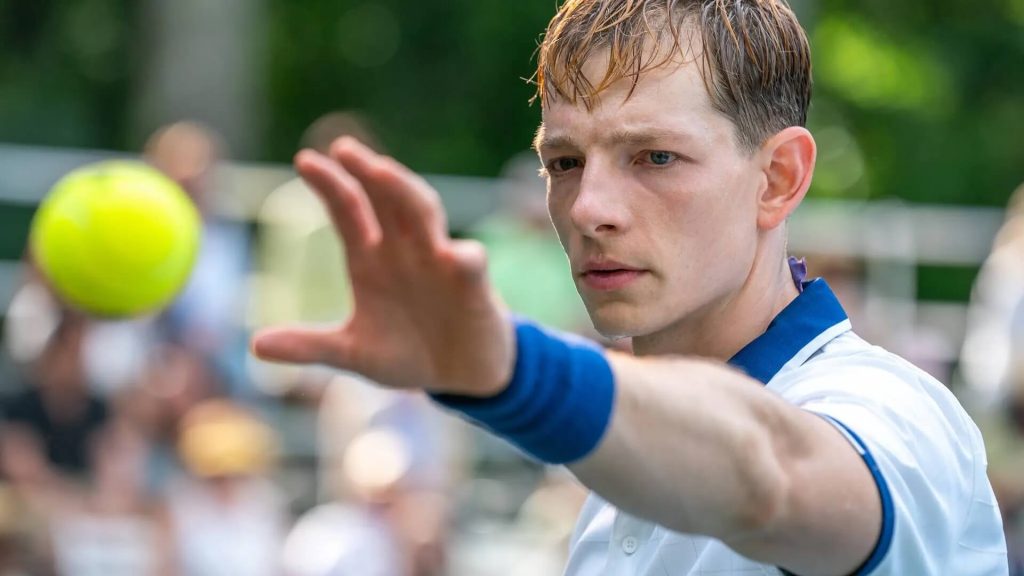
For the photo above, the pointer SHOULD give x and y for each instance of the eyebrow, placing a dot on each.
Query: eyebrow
(635, 136)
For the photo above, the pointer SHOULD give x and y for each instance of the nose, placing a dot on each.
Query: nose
(599, 207)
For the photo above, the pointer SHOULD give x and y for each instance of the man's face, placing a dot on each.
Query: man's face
(653, 200)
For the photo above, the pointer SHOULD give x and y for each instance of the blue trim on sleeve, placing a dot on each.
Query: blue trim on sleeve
(888, 510)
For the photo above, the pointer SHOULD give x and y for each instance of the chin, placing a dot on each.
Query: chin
(620, 320)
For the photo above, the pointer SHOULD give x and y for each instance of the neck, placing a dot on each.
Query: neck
(723, 327)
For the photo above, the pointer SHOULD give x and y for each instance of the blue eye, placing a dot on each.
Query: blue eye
(660, 157)
(560, 165)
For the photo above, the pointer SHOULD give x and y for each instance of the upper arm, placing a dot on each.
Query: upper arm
(832, 511)
(715, 453)
(924, 462)
(849, 463)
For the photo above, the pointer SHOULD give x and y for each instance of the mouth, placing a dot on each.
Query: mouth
(607, 276)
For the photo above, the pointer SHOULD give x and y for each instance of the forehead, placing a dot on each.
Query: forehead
(671, 98)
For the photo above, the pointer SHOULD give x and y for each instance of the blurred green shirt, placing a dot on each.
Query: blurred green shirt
(530, 270)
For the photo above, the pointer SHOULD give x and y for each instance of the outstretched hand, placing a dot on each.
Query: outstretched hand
(425, 315)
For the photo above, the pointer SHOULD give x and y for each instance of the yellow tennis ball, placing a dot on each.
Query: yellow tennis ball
(116, 238)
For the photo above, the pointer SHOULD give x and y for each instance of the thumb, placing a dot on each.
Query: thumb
(300, 346)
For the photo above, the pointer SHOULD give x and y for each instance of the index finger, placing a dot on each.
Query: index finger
(343, 198)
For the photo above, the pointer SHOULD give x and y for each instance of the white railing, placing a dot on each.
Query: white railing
(888, 238)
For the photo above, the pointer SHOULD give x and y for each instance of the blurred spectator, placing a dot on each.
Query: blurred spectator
(367, 436)
(534, 541)
(353, 535)
(387, 469)
(173, 380)
(177, 378)
(352, 406)
(1004, 441)
(208, 314)
(995, 333)
(113, 351)
(228, 518)
(992, 366)
(30, 320)
(21, 551)
(301, 260)
(387, 523)
(56, 411)
(116, 528)
(338, 539)
(413, 451)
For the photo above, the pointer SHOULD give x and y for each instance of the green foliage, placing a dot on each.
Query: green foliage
(65, 71)
(442, 84)
(876, 73)
(918, 99)
(930, 92)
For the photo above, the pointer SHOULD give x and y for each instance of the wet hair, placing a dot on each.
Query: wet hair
(754, 56)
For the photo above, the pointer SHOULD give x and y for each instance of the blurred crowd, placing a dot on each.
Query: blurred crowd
(992, 367)
(159, 446)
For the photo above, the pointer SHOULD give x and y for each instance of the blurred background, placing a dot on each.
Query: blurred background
(159, 446)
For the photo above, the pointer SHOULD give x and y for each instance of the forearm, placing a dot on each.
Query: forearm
(695, 446)
(691, 445)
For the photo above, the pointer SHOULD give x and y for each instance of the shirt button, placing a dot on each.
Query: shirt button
(629, 545)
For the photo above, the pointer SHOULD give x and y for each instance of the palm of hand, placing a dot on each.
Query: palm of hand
(425, 315)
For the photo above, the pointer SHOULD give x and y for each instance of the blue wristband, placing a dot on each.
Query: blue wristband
(559, 401)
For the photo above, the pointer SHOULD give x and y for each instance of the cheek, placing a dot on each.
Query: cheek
(559, 205)
(713, 229)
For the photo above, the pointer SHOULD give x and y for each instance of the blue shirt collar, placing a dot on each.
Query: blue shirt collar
(809, 322)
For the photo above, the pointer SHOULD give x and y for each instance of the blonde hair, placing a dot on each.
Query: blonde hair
(755, 56)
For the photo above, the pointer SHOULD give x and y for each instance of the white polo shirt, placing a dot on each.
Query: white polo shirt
(927, 457)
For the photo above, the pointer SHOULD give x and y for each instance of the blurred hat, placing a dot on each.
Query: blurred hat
(219, 438)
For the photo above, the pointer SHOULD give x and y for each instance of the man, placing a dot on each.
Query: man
(206, 315)
(674, 148)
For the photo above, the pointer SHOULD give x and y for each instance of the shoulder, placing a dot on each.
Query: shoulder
(849, 370)
(894, 405)
(928, 455)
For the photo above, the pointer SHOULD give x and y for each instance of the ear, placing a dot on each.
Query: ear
(788, 163)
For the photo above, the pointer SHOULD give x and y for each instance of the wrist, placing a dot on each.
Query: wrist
(556, 403)
(503, 376)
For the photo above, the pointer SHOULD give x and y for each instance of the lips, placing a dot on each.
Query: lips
(608, 275)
